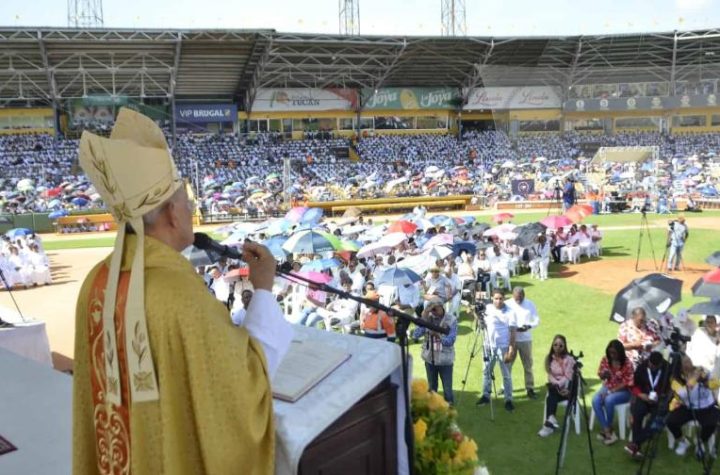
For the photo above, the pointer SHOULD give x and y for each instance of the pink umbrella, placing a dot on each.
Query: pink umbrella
(556, 222)
(317, 277)
(498, 230)
(500, 217)
(295, 214)
(438, 240)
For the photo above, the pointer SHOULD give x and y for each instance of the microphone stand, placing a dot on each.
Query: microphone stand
(7, 287)
(403, 321)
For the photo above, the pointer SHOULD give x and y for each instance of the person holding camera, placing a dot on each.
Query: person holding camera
(616, 373)
(500, 325)
(559, 365)
(677, 236)
(694, 400)
(651, 385)
(438, 351)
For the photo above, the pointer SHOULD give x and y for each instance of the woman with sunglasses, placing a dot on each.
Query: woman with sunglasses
(559, 367)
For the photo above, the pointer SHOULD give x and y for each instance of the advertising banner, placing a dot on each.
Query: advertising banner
(640, 103)
(410, 98)
(205, 113)
(298, 99)
(527, 97)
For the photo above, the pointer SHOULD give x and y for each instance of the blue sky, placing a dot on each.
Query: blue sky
(392, 17)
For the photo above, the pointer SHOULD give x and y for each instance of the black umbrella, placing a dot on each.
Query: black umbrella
(714, 259)
(466, 246)
(200, 257)
(711, 307)
(527, 234)
(650, 292)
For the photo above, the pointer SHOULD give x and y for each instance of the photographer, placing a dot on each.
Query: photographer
(651, 385)
(559, 367)
(500, 327)
(694, 400)
(438, 351)
(677, 236)
(568, 194)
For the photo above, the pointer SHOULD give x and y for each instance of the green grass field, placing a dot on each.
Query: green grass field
(510, 444)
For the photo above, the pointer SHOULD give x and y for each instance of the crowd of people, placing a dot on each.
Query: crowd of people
(23, 262)
(244, 174)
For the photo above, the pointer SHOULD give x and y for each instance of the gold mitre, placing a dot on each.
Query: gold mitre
(133, 170)
(134, 173)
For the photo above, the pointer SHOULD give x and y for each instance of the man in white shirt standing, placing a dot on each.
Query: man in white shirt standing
(527, 318)
(500, 332)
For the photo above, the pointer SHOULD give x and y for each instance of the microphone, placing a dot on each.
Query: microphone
(206, 243)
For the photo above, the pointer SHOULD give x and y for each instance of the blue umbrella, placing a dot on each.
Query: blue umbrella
(79, 201)
(319, 265)
(58, 214)
(312, 215)
(398, 276)
(439, 219)
(274, 245)
(278, 227)
(54, 203)
(17, 232)
(466, 246)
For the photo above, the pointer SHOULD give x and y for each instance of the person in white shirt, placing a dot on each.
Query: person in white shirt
(238, 314)
(596, 236)
(38, 263)
(219, 286)
(356, 275)
(527, 318)
(340, 311)
(541, 260)
(500, 332)
(500, 265)
(704, 347)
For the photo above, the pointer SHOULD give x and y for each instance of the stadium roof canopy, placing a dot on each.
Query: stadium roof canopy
(50, 64)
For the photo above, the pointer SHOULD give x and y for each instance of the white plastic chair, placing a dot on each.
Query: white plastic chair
(689, 430)
(622, 412)
(576, 415)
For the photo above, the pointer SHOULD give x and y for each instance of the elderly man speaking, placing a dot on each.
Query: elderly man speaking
(163, 381)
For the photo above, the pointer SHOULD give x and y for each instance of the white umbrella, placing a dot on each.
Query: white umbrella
(393, 239)
(441, 252)
(419, 263)
(354, 229)
(373, 249)
(508, 164)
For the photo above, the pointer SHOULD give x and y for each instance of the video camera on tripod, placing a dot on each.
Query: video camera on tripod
(480, 309)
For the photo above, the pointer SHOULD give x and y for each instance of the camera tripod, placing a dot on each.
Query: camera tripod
(644, 231)
(660, 421)
(577, 390)
(555, 199)
(681, 261)
(486, 354)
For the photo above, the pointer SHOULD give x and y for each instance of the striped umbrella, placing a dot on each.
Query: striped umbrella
(312, 242)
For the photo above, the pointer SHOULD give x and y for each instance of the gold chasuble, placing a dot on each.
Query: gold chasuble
(214, 413)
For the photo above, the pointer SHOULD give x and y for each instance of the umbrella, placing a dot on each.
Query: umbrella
(235, 274)
(79, 201)
(279, 226)
(354, 229)
(500, 217)
(556, 222)
(313, 215)
(347, 245)
(574, 216)
(497, 230)
(311, 242)
(200, 257)
(17, 232)
(711, 307)
(394, 239)
(423, 223)
(398, 276)
(708, 285)
(438, 240)
(58, 214)
(320, 264)
(235, 238)
(405, 227)
(654, 292)
(374, 249)
(441, 252)
(467, 246)
(527, 234)
(436, 220)
(274, 245)
(582, 210)
(54, 203)
(295, 214)
(714, 259)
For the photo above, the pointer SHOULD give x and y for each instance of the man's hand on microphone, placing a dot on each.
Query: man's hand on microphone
(261, 263)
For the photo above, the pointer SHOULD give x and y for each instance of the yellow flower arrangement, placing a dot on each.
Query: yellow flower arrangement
(440, 446)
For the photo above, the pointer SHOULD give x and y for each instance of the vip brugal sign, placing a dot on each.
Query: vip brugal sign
(205, 113)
